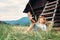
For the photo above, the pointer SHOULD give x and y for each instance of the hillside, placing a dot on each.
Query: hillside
(23, 21)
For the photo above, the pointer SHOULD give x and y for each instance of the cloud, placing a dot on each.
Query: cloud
(12, 9)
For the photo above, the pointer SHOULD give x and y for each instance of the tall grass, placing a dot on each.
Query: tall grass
(11, 32)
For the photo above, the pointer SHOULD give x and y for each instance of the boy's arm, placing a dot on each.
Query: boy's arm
(30, 17)
(32, 22)
(30, 28)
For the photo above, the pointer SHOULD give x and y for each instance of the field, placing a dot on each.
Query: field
(17, 32)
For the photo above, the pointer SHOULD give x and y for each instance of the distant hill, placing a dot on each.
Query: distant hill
(23, 21)
(2, 22)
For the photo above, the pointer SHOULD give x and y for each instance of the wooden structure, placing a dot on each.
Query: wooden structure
(57, 16)
(52, 12)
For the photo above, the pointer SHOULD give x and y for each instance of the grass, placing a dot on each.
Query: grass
(15, 32)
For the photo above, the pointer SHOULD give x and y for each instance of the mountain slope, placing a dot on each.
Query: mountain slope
(22, 21)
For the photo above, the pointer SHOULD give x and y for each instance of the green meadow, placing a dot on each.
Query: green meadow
(18, 32)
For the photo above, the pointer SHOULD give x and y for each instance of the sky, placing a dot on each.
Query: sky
(12, 9)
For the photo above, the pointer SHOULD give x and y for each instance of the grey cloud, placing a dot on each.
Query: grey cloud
(9, 9)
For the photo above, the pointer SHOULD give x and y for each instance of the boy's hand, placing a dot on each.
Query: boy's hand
(30, 17)
(33, 21)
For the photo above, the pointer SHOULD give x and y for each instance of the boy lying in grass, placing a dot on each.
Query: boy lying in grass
(40, 25)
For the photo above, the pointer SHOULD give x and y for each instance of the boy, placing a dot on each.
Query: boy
(40, 25)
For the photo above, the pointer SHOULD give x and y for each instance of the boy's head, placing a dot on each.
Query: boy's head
(42, 19)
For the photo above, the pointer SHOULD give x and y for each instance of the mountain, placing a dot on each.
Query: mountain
(23, 21)
(2, 22)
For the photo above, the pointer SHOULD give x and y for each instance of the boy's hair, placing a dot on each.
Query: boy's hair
(43, 18)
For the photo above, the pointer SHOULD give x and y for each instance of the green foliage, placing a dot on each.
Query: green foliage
(8, 32)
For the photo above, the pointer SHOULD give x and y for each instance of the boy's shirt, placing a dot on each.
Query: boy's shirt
(39, 26)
